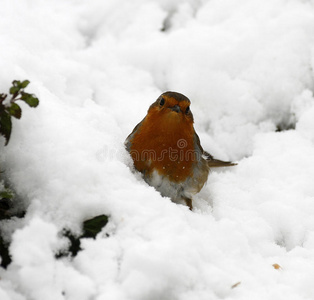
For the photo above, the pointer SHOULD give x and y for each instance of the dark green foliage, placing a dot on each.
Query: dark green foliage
(5, 205)
(29, 99)
(75, 245)
(6, 194)
(4, 253)
(6, 197)
(5, 125)
(285, 126)
(91, 228)
(9, 108)
(14, 110)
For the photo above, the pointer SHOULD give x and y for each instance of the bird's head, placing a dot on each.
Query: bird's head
(171, 107)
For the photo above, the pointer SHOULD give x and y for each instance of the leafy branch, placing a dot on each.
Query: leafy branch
(91, 228)
(9, 108)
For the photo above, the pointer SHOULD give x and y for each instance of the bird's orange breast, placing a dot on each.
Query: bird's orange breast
(164, 143)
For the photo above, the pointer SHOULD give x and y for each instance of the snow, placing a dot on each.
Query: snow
(247, 67)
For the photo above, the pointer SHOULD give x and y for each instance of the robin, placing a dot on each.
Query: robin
(166, 149)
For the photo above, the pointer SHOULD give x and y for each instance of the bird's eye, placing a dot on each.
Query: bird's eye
(187, 110)
(162, 102)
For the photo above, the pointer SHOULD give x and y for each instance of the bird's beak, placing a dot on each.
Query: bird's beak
(175, 108)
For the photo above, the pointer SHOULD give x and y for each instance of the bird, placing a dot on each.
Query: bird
(166, 149)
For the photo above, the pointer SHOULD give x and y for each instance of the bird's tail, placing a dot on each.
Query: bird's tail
(216, 163)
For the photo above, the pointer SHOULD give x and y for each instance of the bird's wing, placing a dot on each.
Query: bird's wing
(127, 142)
(212, 162)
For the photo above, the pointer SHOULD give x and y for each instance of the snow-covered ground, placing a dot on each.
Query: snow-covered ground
(96, 66)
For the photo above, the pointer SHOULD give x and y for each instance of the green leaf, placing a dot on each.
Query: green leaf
(6, 194)
(14, 90)
(93, 226)
(14, 110)
(24, 84)
(30, 99)
(5, 126)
